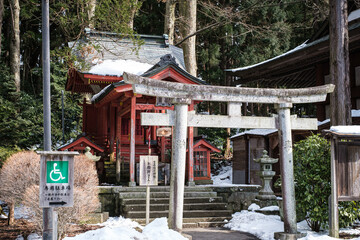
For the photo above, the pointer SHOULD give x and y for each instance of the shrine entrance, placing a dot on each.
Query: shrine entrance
(183, 94)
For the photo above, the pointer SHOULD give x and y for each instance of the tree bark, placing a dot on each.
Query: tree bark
(1, 20)
(340, 99)
(11, 217)
(15, 42)
(91, 12)
(170, 20)
(188, 26)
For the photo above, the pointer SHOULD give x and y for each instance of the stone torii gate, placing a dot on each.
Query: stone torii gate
(183, 94)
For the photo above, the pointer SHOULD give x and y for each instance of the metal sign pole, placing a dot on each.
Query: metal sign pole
(147, 204)
(49, 233)
(148, 186)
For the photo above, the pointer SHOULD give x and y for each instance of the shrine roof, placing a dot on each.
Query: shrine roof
(99, 46)
(166, 62)
(255, 132)
(81, 140)
(296, 67)
(207, 144)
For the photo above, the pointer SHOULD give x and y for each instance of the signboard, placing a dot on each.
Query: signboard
(348, 171)
(148, 171)
(163, 132)
(163, 102)
(56, 179)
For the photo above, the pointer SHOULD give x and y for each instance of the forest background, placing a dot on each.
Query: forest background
(229, 34)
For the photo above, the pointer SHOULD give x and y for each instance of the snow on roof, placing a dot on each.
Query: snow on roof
(354, 113)
(268, 60)
(261, 132)
(117, 67)
(354, 15)
(352, 129)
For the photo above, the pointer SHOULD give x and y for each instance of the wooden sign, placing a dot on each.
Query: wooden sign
(163, 132)
(148, 171)
(348, 171)
(56, 179)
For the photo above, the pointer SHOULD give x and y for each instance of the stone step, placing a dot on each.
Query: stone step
(186, 214)
(165, 207)
(203, 200)
(195, 222)
(164, 194)
(164, 189)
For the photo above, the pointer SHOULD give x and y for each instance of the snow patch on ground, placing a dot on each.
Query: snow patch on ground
(124, 229)
(260, 225)
(264, 226)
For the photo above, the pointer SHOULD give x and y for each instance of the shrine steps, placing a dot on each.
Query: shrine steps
(202, 206)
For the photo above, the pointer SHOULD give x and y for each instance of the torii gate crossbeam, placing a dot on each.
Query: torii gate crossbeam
(183, 94)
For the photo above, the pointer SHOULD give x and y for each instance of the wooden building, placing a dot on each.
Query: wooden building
(111, 118)
(306, 65)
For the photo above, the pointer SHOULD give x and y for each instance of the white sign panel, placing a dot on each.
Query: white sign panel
(148, 171)
(56, 179)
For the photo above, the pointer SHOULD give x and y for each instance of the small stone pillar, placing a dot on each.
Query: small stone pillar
(266, 174)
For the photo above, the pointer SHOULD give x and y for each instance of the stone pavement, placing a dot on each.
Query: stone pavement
(217, 234)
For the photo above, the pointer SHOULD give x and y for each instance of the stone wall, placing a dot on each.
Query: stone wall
(238, 197)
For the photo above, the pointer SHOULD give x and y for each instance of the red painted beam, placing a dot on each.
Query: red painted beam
(152, 107)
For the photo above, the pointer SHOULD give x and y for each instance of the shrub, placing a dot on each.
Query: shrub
(313, 184)
(6, 152)
(26, 188)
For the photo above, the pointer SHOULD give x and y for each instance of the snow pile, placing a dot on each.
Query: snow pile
(32, 236)
(158, 229)
(253, 207)
(223, 177)
(270, 208)
(124, 229)
(260, 225)
(264, 226)
(117, 67)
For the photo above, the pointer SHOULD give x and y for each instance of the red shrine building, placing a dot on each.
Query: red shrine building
(112, 112)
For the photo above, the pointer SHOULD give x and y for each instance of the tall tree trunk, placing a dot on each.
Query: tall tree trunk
(1, 20)
(133, 9)
(188, 15)
(15, 42)
(91, 12)
(340, 99)
(170, 20)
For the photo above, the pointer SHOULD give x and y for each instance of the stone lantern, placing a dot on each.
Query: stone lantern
(266, 174)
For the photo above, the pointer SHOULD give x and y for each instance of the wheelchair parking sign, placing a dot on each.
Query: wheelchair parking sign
(56, 179)
(57, 172)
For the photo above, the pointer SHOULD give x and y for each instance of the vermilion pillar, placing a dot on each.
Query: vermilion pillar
(132, 141)
(191, 152)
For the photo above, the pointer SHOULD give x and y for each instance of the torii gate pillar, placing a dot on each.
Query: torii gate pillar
(178, 165)
(287, 169)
